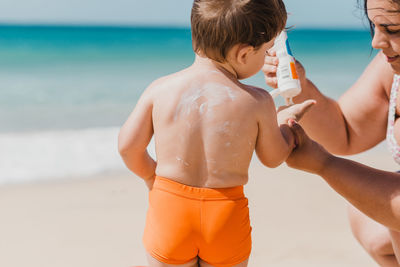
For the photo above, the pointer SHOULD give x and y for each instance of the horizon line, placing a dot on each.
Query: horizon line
(162, 26)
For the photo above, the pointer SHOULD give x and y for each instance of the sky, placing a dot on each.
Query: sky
(303, 13)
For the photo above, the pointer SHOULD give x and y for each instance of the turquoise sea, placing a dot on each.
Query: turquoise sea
(65, 91)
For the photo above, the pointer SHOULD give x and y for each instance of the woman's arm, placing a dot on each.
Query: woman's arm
(358, 120)
(374, 192)
(365, 106)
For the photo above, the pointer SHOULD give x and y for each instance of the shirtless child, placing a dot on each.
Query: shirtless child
(206, 126)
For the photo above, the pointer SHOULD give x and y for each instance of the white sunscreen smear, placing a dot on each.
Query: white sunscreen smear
(196, 98)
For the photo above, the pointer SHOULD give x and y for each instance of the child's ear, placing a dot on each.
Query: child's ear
(243, 53)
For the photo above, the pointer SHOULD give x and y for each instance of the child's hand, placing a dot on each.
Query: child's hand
(294, 112)
(150, 181)
(308, 155)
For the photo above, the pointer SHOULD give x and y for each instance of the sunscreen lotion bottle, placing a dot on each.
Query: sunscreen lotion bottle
(288, 80)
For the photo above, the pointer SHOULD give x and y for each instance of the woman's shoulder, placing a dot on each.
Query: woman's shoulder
(374, 83)
(380, 73)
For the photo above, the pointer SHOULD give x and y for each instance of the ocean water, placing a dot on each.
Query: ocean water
(65, 91)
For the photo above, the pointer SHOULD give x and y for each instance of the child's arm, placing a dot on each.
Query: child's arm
(134, 137)
(274, 142)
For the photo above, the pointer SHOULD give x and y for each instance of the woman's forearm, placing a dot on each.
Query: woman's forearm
(374, 192)
(324, 123)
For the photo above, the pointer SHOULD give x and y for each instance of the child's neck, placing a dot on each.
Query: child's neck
(225, 67)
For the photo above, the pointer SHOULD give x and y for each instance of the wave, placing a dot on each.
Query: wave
(52, 155)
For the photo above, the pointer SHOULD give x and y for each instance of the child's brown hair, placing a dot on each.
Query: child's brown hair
(218, 25)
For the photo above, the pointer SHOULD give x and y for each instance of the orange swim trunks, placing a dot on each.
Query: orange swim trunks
(185, 222)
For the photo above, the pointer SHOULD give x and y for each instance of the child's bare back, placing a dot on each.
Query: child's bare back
(207, 126)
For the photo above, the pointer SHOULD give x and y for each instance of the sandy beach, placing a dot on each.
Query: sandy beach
(67, 89)
(94, 222)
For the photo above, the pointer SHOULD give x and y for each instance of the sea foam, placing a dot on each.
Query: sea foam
(49, 155)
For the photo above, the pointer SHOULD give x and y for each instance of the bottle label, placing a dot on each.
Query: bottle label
(283, 72)
(293, 71)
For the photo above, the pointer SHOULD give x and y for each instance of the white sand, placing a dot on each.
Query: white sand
(297, 221)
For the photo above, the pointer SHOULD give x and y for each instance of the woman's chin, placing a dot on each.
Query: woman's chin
(395, 68)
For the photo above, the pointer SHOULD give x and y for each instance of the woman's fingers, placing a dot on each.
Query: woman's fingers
(271, 60)
(271, 52)
(271, 82)
(269, 68)
(300, 135)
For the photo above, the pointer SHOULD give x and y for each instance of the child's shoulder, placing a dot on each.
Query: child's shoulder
(260, 96)
(158, 83)
(156, 87)
(262, 102)
(165, 82)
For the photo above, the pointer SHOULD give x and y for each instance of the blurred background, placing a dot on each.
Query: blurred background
(71, 72)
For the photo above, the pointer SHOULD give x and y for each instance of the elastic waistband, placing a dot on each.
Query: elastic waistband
(231, 193)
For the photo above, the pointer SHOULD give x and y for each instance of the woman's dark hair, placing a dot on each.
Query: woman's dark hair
(363, 5)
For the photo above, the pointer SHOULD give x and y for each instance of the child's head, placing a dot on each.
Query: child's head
(219, 25)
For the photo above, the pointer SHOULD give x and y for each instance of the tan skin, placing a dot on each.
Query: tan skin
(347, 127)
(206, 126)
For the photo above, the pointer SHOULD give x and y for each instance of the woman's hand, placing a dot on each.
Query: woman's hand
(308, 155)
(294, 112)
(270, 67)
